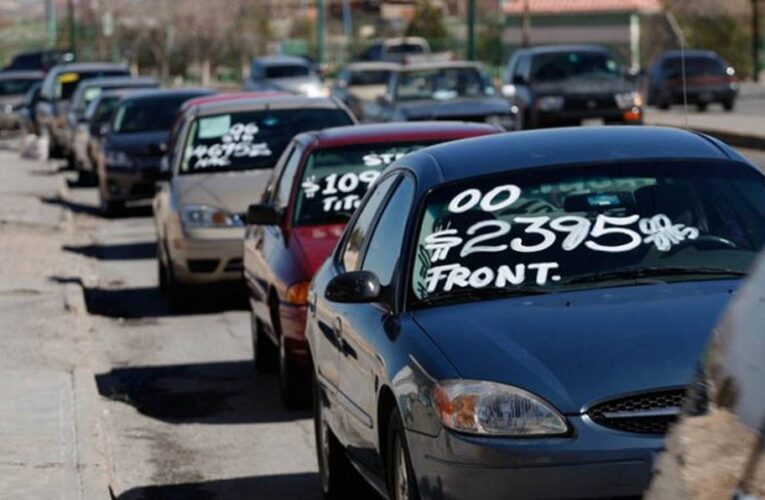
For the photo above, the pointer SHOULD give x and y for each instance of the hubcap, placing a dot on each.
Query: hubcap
(402, 474)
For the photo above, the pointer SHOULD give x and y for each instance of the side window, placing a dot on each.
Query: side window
(281, 195)
(353, 244)
(523, 68)
(385, 243)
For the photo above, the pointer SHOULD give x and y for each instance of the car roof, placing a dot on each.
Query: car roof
(126, 80)
(394, 132)
(276, 101)
(84, 67)
(564, 146)
(438, 65)
(372, 66)
(672, 54)
(234, 96)
(551, 49)
(140, 94)
(281, 59)
(21, 73)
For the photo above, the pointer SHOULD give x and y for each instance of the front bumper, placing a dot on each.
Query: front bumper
(576, 117)
(207, 256)
(593, 463)
(130, 185)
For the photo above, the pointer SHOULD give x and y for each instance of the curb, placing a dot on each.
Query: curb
(93, 470)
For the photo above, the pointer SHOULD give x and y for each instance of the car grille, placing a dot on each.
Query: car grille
(650, 413)
(590, 103)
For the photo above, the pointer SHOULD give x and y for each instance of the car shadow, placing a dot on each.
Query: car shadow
(122, 251)
(302, 486)
(226, 392)
(151, 302)
(95, 211)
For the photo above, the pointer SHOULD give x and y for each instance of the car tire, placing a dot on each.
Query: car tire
(294, 381)
(662, 102)
(265, 355)
(400, 478)
(701, 107)
(337, 476)
(729, 104)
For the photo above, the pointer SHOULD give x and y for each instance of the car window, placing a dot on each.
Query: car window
(382, 251)
(284, 186)
(248, 140)
(335, 179)
(578, 227)
(287, 71)
(16, 86)
(357, 235)
(443, 84)
(695, 67)
(148, 114)
(523, 67)
(557, 66)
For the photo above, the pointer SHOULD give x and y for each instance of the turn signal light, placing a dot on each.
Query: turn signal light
(298, 293)
(632, 115)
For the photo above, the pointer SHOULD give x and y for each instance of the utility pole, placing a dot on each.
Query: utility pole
(72, 34)
(526, 28)
(756, 40)
(320, 27)
(50, 22)
(471, 30)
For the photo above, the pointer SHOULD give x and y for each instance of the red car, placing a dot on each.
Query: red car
(317, 183)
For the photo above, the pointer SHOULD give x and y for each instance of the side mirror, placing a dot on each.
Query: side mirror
(354, 287)
(158, 149)
(262, 214)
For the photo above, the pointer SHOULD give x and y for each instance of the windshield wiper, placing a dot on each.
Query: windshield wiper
(651, 272)
(483, 293)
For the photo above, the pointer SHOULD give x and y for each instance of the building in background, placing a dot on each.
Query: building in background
(618, 24)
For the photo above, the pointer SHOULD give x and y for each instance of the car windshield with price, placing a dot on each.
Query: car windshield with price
(551, 230)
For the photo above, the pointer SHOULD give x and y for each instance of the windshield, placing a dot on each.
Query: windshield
(251, 139)
(370, 77)
(335, 179)
(67, 83)
(443, 84)
(556, 66)
(17, 86)
(578, 227)
(148, 114)
(287, 71)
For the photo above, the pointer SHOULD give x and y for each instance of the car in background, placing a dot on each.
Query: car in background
(219, 163)
(708, 79)
(361, 83)
(717, 450)
(396, 49)
(309, 199)
(460, 91)
(28, 109)
(295, 75)
(14, 86)
(531, 306)
(563, 85)
(76, 121)
(39, 60)
(129, 162)
(58, 87)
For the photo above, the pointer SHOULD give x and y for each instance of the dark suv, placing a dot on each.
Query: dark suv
(561, 85)
(708, 79)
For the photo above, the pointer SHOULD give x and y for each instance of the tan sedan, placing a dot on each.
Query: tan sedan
(219, 163)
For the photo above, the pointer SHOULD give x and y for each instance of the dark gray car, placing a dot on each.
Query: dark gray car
(14, 86)
(460, 91)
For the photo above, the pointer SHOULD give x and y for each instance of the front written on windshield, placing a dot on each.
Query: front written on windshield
(335, 179)
(250, 140)
(551, 228)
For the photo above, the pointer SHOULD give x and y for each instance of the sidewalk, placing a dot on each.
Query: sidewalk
(50, 438)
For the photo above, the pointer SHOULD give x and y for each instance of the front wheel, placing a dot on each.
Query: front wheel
(729, 104)
(402, 483)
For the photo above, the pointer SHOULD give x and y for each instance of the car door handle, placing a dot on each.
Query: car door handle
(337, 327)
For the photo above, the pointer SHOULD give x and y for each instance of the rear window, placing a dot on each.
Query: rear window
(67, 82)
(17, 86)
(287, 71)
(371, 77)
(148, 114)
(251, 139)
(335, 179)
(695, 67)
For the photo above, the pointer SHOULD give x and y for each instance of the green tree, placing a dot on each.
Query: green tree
(428, 22)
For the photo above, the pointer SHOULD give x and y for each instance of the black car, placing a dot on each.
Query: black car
(455, 91)
(561, 85)
(519, 315)
(708, 79)
(39, 60)
(57, 89)
(128, 166)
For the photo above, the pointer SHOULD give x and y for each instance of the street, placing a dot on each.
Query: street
(122, 389)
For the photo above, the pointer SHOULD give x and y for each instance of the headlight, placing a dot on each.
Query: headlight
(490, 408)
(504, 121)
(629, 100)
(550, 103)
(8, 108)
(508, 90)
(118, 159)
(206, 216)
(297, 293)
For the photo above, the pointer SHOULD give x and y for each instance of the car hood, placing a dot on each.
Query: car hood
(139, 143)
(583, 87)
(230, 191)
(315, 244)
(429, 109)
(579, 348)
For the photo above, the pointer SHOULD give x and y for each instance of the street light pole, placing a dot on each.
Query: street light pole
(471, 30)
(320, 21)
(50, 21)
